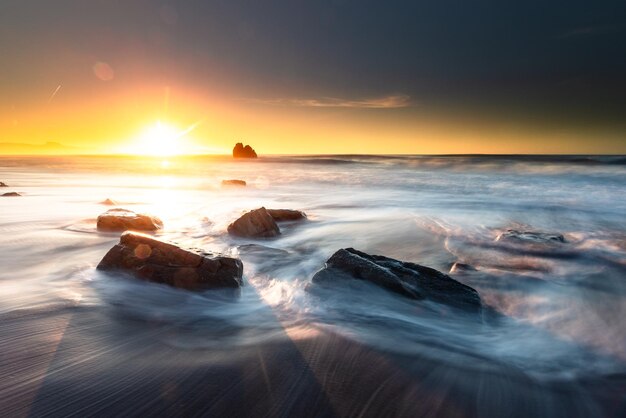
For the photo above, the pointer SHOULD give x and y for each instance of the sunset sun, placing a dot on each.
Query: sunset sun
(159, 140)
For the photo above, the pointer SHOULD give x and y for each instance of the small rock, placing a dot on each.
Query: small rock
(257, 223)
(280, 215)
(243, 152)
(407, 279)
(11, 194)
(157, 261)
(513, 235)
(123, 220)
(3, 184)
(109, 202)
(233, 182)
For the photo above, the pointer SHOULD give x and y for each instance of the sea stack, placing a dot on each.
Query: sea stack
(243, 152)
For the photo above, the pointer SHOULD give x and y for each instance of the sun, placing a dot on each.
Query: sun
(159, 140)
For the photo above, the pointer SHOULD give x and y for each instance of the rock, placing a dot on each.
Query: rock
(243, 152)
(280, 215)
(3, 184)
(109, 202)
(233, 183)
(407, 279)
(157, 261)
(513, 235)
(123, 220)
(11, 194)
(257, 223)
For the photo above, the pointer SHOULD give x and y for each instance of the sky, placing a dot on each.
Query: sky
(323, 76)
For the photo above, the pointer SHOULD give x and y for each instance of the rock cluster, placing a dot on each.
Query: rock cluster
(243, 152)
(408, 279)
(124, 220)
(157, 261)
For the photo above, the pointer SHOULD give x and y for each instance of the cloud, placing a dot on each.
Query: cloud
(387, 102)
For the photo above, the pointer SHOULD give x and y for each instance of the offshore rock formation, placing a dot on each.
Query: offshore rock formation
(124, 220)
(157, 261)
(407, 279)
(243, 152)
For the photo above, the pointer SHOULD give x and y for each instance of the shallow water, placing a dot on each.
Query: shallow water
(555, 309)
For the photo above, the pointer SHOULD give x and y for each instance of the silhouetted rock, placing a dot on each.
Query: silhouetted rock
(109, 202)
(3, 184)
(233, 182)
(407, 279)
(11, 194)
(513, 235)
(280, 215)
(123, 220)
(157, 261)
(243, 152)
(257, 223)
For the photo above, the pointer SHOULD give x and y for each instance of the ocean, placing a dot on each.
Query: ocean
(75, 340)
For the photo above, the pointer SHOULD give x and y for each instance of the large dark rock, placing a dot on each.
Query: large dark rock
(243, 152)
(257, 223)
(281, 215)
(3, 184)
(533, 237)
(157, 261)
(11, 194)
(407, 279)
(124, 220)
(233, 182)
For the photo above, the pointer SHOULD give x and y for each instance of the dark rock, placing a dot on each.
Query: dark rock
(109, 202)
(123, 220)
(11, 194)
(157, 261)
(243, 152)
(3, 184)
(233, 183)
(280, 215)
(462, 268)
(257, 223)
(534, 237)
(408, 279)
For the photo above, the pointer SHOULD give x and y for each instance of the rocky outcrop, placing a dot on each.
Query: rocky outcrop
(281, 215)
(407, 279)
(161, 262)
(257, 223)
(534, 237)
(124, 220)
(3, 184)
(234, 182)
(11, 194)
(243, 152)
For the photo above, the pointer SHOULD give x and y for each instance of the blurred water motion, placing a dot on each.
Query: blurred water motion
(551, 343)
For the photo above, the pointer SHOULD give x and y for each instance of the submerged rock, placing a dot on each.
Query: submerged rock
(407, 279)
(124, 219)
(280, 215)
(3, 184)
(257, 223)
(157, 261)
(513, 235)
(243, 152)
(233, 182)
(11, 194)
